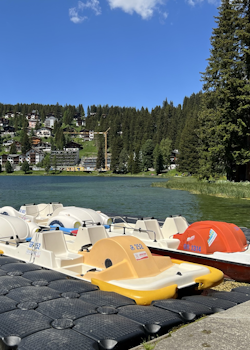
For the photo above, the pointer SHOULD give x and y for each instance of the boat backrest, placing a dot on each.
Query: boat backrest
(82, 238)
(54, 241)
(151, 227)
(96, 233)
(44, 210)
(174, 225)
(32, 210)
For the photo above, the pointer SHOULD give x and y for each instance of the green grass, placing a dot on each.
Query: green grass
(89, 149)
(220, 188)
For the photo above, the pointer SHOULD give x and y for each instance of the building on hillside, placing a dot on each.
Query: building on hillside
(72, 146)
(8, 130)
(86, 135)
(79, 120)
(9, 115)
(44, 132)
(65, 158)
(3, 159)
(8, 145)
(33, 156)
(35, 140)
(50, 121)
(173, 159)
(4, 122)
(15, 159)
(43, 146)
(89, 163)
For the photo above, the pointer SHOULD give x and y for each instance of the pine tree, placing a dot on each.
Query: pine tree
(13, 149)
(8, 167)
(25, 142)
(223, 121)
(158, 160)
(147, 155)
(25, 167)
(166, 149)
(123, 162)
(100, 161)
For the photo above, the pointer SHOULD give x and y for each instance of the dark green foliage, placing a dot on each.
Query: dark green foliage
(158, 160)
(147, 155)
(166, 149)
(133, 134)
(224, 118)
(59, 139)
(25, 167)
(8, 167)
(46, 163)
(123, 162)
(100, 162)
(137, 164)
(25, 142)
(188, 158)
(13, 149)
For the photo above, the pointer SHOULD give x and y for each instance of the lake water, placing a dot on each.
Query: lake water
(121, 195)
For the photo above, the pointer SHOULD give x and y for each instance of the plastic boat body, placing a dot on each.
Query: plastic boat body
(55, 214)
(217, 244)
(120, 264)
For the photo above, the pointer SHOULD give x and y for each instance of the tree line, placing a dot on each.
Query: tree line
(211, 129)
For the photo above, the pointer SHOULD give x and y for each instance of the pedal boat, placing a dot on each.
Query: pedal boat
(119, 264)
(56, 215)
(218, 244)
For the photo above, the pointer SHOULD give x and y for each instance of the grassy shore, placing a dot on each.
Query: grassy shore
(79, 173)
(220, 188)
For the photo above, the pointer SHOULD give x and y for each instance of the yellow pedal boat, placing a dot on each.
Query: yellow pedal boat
(120, 264)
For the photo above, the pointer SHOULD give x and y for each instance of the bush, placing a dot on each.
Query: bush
(8, 167)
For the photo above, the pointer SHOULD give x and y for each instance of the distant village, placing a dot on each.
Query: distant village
(42, 153)
(67, 158)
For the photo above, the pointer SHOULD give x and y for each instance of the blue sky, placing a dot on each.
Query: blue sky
(132, 53)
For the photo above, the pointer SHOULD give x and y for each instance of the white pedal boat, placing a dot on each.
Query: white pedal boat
(55, 214)
(120, 264)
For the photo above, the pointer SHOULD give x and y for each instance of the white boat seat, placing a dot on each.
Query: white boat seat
(151, 227)
(54, 241)
(96, 233)
(174, 225)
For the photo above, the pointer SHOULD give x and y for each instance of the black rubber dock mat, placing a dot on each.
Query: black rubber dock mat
(188, 310)
(111, 330)
(153, 319)
(100, 298)
(47, 310)
(235, 297)
(54, 339)
(215, 304)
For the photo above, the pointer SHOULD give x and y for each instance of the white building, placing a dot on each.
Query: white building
(50, 121)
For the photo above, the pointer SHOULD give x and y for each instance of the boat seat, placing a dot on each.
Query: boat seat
(174, 225)
(96, 233)
(54, 241)
(151, 227)
(32, 210)
(82, 239)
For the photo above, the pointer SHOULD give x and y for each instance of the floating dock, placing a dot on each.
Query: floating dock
(49, 310)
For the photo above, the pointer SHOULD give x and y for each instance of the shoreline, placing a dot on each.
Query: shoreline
(221, 188)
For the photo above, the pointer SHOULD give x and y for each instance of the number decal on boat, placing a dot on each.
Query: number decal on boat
(34, 248)
(136, 246)
(193, 248)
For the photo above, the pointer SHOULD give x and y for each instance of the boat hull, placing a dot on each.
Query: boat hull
(236, 271)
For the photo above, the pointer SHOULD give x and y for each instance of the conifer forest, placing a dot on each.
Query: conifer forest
(210, 130)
